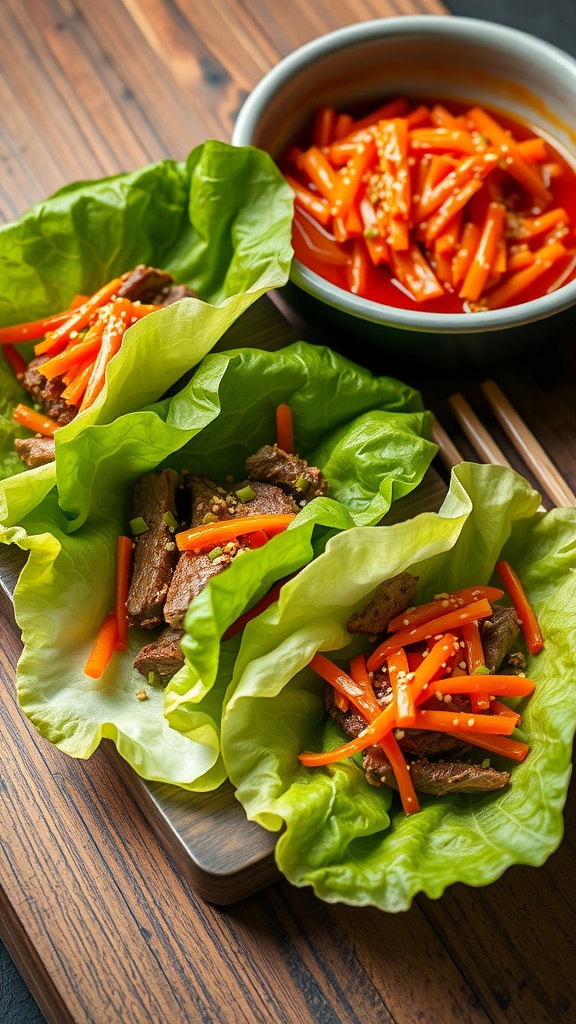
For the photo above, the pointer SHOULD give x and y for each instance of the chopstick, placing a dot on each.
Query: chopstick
(447, 450)
(528, 447)
(521, 437)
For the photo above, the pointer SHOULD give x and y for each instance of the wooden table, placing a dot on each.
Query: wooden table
(96, 916)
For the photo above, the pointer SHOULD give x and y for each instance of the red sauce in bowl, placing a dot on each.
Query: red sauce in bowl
(547, 211)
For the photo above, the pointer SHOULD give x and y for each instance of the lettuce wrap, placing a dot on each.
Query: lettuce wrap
(219, 222)
(349, 840)
(368, 434)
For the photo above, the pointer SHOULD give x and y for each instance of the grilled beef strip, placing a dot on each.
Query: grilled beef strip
(389, 599)
(143, 284)
(271, 464)
(436, 778)
(155, 553)
(35, 451)
(163, 657)
(194, 570)
(498, 635)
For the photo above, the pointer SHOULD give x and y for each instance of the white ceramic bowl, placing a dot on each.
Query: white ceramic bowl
(462, 58)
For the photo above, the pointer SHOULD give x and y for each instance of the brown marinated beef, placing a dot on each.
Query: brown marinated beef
(498, 635)
(47, 393)
(272, 465)
(152, 287)
(35, 451)
(206, 499)
(389, 599)
(164, 657)
(269, 500)
(435, 778)
(155, 553)
(190, 577)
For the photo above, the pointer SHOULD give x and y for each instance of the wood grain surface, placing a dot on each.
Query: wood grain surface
(98, 917)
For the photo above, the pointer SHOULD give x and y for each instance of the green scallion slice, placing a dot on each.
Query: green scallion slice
(214, 553)
(138, 526)
(245, 494)
(170, 520)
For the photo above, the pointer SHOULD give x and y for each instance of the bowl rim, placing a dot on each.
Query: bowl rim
(448, 26)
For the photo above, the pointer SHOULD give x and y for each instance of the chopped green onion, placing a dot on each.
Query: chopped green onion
(209, 518)
(245, 494)
(138, 525)
(371, 232)
(301, 483)
(481, 671)
(170, 520)
(214, 553)
(486, 762)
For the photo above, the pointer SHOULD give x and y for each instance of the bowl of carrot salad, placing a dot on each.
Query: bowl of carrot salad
(433, 168)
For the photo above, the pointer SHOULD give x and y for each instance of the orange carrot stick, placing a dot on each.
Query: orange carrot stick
(502, 745)
(15, 360)
(202, 538)
(398, 672)
(315, 166)
(530, 227)
(514, 285)
(474, 659)
(285, 428)
(485, 256)
(465, 721)
(525, 612)
(456, 202)
(413, 635)
(314, 205)
(521, 258)
(452, 182)
(347, 186)
(463, 258)
(395, 108)
(111, 341)
(438, 140)
(503, 686)
(418, 117)
(77, 353)
(443, 604)
(36, 421)
(75, 390)
(415, 273)
(124, 551)
(358, 269)
(103, 649)
(533, 151)
(497, 708)
(515, 164)
(342, 126)
(78, 319)
(322, 131)
(32, 329)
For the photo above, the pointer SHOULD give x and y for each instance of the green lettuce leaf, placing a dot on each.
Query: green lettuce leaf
(219, 222)
(350, 841)
(222, 415)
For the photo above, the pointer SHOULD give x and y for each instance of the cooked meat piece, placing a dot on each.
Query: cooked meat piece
(152, 286)
(498, 635)
(35, 451)
(435, 778)
(190, 577)
(274, 466)
(269, 500)
(47, 393)
(177, 292)
(420, 743)
(155, 553)
(163, 657)
(206, 499)
(389, 599)
(145, 284)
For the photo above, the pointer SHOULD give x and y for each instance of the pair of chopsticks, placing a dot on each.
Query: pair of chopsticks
(516, 430)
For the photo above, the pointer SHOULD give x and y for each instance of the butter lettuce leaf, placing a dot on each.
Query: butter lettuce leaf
(219, 222)
(211, 425)
(348, 840)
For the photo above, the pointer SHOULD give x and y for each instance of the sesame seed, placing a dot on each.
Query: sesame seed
(470, 721)
(455, 721)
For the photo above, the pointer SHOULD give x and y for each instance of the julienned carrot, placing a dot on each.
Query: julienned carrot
(317, 240)
(442, 624)
(469, 243)
(124, 551)
(418, 117)
(349, 183)
(354, 686)
(285, 428)
(74, 392)
(342, 126)
(525, 612)
(103, 649)
(410, 803)
(78, 319)
(531, 227)
(202, 538)
(442, 118)
(88, 347)
(358, 268)
(392, 145)
(533, 151)
(15, 360)
(456, 202)
(36, 421)
(485, 255)
(323, 129)
(514, 161)
(465, 721)
(442, 604)
(503, 686)
(453, 181)
(441, 140)
(447, 241)
(544, 258)
(111, 341)
(502, 745)
(315, 166)
(395, 108)
(398, 674)
(520, 259)
(32, 329)
(314, 205)
(475, 659)
(497, 708)
(415, 273)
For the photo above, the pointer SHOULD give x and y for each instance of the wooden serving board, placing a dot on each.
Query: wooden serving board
(223, 856)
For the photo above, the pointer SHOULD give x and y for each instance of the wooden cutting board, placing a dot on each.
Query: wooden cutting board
(223, 857)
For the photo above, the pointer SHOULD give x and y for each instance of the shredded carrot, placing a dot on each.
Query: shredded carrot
(465, 721)
(474, 659)
(323, 130)
(525, 612)
(103, 649)
(503, 745)
(15, 360)
(437, 140)
(398, 672)
(202, 538)
(74, 391)
(507, 292)
(357, 270)
(78, 352)
(404, 637)
(513, 159)
(78, 319)
(503, 686)
(33, 329)
(36, 421)
(285, 428)
(314, 205)
(111, 340)
(315, 166)
(484, 258)
(498, 708)
(443, 603)
(124, 552)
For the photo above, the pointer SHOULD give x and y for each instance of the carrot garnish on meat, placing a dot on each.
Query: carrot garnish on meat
(285, 428)
(36, 421)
